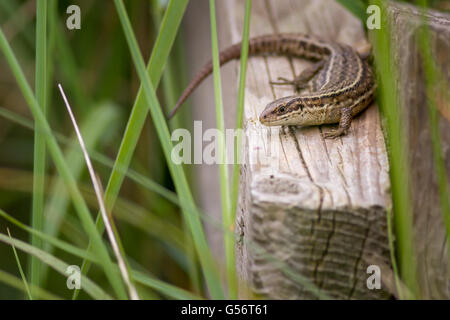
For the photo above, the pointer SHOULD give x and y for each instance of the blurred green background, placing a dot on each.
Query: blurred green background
(95, 67)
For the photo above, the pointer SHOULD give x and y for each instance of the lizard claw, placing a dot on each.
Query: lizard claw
(282, 81)
(298, 85)
(333, 134)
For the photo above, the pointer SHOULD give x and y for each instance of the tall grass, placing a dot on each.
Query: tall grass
(433, 81)
(222, 154)
(37, 217)
(230, 239)
(163, 44)
(357, 7)
(88, 285)
(14, 282)
(111, 229)
(398, 154)
(22, 274)
(148, 281)
(187, 202)
(397, 142)
(62, 166)
(240, 108)
(146, 98)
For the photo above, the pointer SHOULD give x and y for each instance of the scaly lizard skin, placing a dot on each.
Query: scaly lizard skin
(340, 83)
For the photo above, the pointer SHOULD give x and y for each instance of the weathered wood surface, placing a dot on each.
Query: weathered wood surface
(345, 180)
(431, 247)
(318, 206)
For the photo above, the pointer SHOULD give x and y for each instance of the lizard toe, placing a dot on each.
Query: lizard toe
(333, 134)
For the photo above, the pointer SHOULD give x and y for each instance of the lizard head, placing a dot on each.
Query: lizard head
(280, 112)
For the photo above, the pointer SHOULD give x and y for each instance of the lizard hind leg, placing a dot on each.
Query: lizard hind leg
(344, 124)
(301, 81)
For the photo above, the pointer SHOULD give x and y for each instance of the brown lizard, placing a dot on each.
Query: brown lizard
(340, 83)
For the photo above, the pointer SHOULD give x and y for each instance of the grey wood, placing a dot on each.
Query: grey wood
(315, 206)
(430, 241)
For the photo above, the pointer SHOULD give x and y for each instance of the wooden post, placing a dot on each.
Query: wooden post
(314, 209)
(430, 236)
(316, 206)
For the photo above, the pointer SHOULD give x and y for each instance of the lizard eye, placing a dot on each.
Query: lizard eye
(281, 110)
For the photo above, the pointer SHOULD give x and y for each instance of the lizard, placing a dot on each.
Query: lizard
(340, 83)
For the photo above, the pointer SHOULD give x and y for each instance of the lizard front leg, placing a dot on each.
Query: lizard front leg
(344, 124)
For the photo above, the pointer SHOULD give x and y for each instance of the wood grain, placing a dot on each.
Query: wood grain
(318, 206)
(430, 236)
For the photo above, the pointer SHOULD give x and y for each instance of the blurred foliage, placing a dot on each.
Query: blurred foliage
(95, 67)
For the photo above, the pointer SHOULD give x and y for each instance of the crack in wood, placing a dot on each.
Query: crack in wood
(271, 16)
(299, 152)
(302, 215)
(266, 64)
(324, 144)
(325, 251)
(355, 270)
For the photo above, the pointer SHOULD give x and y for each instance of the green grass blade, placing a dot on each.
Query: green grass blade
(89, 286)
(50, 239)
(356, 7)
(398, 155)
(22, 275)
(162, 287)
(160, 53)
(98, 120)
(66, 61)
(240, 108)
(14, 11)
(186, 200)
(432, 82)
(228, 223)
(62, 167)
(14, 282)
(16, 118)
(37, 217)
(240, 119)
(391, 238)
(111, 229)
(100, 158)
(92, 129)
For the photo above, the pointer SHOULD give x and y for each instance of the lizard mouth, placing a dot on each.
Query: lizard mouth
(267, 118)
(263, 117)
(275, 112)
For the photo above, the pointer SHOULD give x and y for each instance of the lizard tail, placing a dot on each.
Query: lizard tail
(259, 45)
(233, 52)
